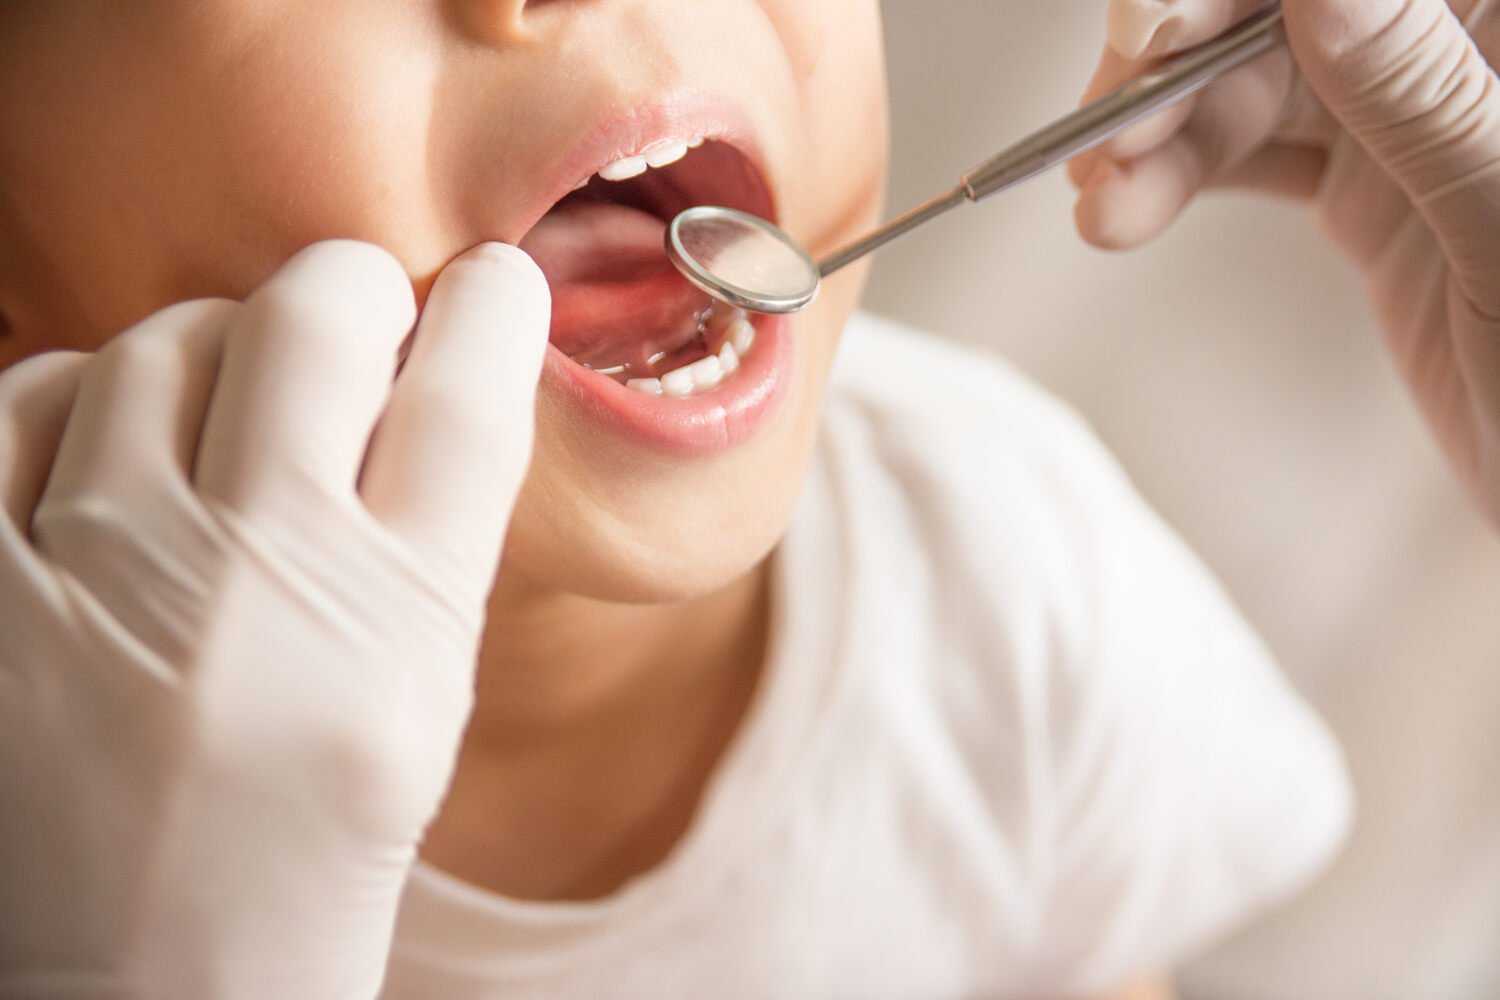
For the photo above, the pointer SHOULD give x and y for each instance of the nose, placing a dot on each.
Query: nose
(498, 22)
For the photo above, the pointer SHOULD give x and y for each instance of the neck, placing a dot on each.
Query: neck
(552, 662)
(595, 729)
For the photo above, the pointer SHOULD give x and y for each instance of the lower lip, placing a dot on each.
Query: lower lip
(711, 422)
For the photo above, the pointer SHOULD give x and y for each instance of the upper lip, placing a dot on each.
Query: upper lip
(635, 128)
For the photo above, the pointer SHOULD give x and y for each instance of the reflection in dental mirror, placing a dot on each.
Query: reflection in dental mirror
(742, 259)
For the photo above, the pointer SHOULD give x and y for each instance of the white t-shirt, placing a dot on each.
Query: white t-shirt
(1011, 740)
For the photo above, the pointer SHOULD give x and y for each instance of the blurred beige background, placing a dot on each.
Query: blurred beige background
(1233, 369)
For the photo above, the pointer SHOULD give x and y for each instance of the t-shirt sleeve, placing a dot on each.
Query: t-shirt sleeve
(1190, 787)
(1165, 781)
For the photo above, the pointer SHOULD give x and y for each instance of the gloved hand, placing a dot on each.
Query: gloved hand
(243, 577)
(1391, 127)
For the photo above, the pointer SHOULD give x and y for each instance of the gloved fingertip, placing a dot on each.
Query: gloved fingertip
(364, 277)
(1134, 28)
(509, 263)
(1100, 213)
(505, 275)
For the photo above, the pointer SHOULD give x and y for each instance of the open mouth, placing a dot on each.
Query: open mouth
(619, 307)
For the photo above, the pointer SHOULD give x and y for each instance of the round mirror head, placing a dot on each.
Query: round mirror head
(741, 259)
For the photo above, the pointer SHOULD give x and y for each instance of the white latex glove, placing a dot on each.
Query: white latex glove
(243, 577)
(1392, 128)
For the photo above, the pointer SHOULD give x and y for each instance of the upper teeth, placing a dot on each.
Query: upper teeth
(659, 156)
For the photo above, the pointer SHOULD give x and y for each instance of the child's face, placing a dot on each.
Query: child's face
(157, 150)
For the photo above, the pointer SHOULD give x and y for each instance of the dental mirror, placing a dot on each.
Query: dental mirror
(748, 262)
(742, 259)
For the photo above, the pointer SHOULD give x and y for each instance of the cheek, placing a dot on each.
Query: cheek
(804, 28)
(812, 30)
(197, 151)
(834, 49)
(332, 122)
(282, 134)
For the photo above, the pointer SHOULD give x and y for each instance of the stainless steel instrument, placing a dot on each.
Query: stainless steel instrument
(748, 262)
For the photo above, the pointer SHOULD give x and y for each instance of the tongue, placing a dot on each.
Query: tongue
(616, 299)
(596, 241)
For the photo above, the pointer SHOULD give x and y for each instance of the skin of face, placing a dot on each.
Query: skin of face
(169, 149)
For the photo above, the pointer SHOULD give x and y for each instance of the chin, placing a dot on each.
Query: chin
(598, 555)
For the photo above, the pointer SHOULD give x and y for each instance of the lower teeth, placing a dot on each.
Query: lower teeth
(706, 373)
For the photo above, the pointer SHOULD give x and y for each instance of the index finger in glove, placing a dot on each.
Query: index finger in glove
(1122, 205)
(1151, 29)
(306, 369)
(1145, 32)
(1140, 34)
(453, 445)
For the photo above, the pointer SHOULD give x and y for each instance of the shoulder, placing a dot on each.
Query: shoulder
(996, 488)
(1076, 649)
